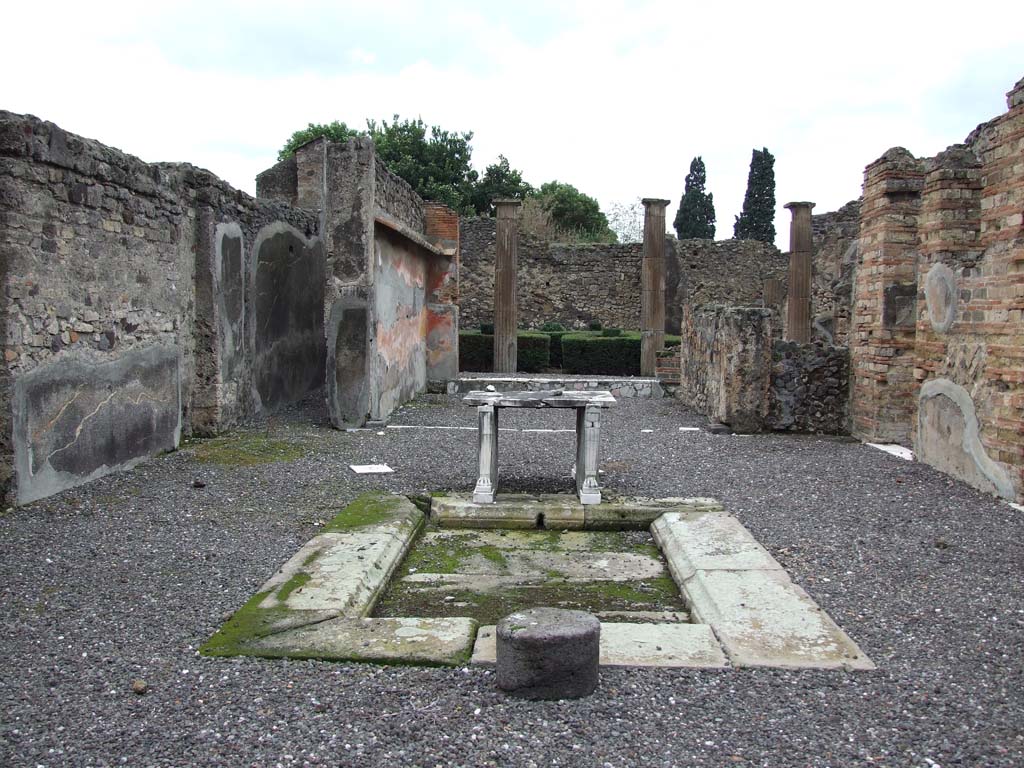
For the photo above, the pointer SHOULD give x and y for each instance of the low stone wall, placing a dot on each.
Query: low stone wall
(397, 198)
(576, 284)
(733, 371)
(725, 364)
(809, 388)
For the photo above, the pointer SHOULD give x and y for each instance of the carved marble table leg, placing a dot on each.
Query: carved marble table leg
(487, 447)
(588, 442)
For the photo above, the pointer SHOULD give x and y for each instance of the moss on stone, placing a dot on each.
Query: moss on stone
(371, 508)
(443, 555)
(493, 554)
(298, 581)
(243, 450)
(248, 623)
(489, 607)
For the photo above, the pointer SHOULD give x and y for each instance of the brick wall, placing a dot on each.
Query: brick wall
(938, 352)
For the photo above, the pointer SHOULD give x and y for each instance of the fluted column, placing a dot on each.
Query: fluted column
(652, 286)
(798, 315)
(506, 257)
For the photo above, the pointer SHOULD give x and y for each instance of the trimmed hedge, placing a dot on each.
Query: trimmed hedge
(476, 351)
(556, 347)
(592, 353)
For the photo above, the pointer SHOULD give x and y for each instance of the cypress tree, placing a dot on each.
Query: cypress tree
(696, 214)
(757, 221)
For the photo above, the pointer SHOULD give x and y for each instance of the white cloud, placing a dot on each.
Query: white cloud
(617, 102)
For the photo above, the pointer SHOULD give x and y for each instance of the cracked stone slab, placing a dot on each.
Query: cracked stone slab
(509, 510)
(343, 572)
(708, 541)
(536, 566)
(560, 511)
(433, 641)
(616, 513)
(636, 645)
(763, 619)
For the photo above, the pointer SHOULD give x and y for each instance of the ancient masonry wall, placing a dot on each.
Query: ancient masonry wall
(725, 360)
(389, 262)
(835, 238)
(938, 351)
(578, 284)
(734, 370)
(809, 389)
(136, 306)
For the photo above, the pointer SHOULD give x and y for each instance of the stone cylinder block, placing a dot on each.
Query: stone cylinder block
(548, 653)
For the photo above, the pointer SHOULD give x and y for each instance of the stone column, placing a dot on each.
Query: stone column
(652, 286)
(798, 314)
(506, 299)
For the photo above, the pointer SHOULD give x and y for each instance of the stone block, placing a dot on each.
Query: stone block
(708, 541)
(618, 513)
(346, 570)
(765, 620)
(429, 641)
(548, 653)
(509, 510)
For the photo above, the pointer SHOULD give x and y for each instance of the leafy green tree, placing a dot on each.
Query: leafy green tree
(575, 213)
(757, 221)
(500, 180)
(335, 131)
(435, 162)
(696, 214)
(438, 167)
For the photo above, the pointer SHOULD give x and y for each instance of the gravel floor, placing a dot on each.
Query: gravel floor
(124, 579)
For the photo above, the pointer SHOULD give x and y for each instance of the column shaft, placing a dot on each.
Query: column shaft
(652, 286)
(798, 314)
(506, 256)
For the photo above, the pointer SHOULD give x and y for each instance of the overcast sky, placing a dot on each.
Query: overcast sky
(613, 97)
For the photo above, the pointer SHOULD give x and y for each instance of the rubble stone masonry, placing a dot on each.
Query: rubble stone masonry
(576, 284)
(128, 306)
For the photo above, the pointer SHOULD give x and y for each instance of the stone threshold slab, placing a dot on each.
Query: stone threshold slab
(338, 574)
(731, 583)
(559, 511)
(636, 645)
(428, 641)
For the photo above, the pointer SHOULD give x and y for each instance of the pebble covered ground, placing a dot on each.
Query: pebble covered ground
(115, 584)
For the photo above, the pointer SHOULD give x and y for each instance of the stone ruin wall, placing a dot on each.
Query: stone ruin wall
(835, 236)
(390, 260)
(938, 350)
(575, 284)
(734, 370)
(136, 306)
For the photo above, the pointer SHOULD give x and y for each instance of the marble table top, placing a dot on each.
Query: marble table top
(549, 398)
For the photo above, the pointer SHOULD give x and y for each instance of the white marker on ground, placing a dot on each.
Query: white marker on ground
(370, 469)
(896, 450)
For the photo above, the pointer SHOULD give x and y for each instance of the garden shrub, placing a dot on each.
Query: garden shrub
(616, 355)
(476, 351)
